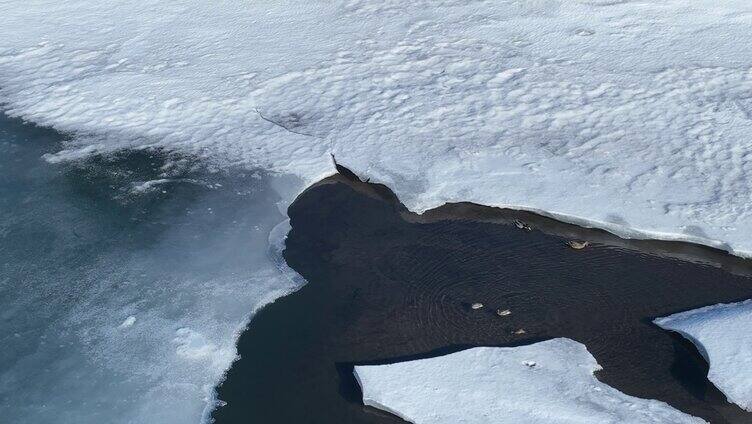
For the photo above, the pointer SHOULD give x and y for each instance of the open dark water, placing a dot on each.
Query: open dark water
(386, 285)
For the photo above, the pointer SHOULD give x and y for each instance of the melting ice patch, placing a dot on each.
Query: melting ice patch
(118, 307)
(723, 335)
(193, 345)
(546, 382)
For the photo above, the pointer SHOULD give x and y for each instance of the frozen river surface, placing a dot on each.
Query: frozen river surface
(120, 300)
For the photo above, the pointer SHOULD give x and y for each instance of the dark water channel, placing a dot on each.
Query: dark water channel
(386, 285)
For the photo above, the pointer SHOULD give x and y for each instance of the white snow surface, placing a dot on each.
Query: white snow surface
(546, 382)
(723, 335)
(627, 115)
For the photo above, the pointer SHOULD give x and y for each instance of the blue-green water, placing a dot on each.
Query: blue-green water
(120, 300)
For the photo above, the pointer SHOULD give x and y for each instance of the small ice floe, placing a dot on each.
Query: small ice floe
(578, 245)
(476, 305)
(128, 322)
(503, 312)
(142, 187)
(520, 332)
(487, 384)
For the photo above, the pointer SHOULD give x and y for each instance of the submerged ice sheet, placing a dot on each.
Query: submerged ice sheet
(723, 335)
(546, 382)
(123, 307)
(631, 116)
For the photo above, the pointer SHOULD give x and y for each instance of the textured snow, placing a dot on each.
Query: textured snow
(631, 116)
(546, 382)
(723, 335)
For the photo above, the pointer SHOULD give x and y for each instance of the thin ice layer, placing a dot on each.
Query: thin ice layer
(631, 116)
(546, 382)
(120, 305)
(723, 335)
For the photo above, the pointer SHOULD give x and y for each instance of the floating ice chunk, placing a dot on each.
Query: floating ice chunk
(723, 335)
(146, 186)
(128, 322)
(546, 382)
(141, 187)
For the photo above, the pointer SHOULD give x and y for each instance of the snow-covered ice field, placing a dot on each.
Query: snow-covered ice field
(546, 382)
(723, 335)
(632, 116)
(626, 115)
